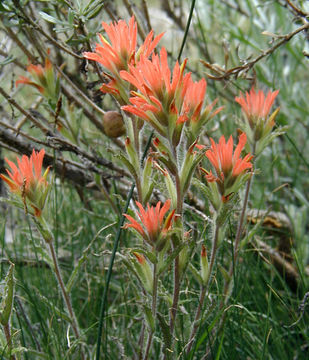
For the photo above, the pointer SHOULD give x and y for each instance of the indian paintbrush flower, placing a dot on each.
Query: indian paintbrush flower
(230, 169)
(193, 114)
(152, 228)
(256, 108)
(160, 97)
(44, 80)
(120, 52)
(26, 181)
(167, 100)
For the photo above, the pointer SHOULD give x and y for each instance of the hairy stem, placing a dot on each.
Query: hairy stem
(238, 233)
(8, 337)
(204, 288)
(153, 310)
(65, 295)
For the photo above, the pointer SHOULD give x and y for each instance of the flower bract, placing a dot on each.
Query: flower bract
(152, 226)
(26, 180)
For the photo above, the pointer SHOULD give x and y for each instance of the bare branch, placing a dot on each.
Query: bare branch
(226, 74)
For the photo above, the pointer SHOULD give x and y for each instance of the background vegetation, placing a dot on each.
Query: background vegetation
(266, 317)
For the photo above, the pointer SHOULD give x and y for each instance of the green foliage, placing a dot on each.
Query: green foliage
(263, 318)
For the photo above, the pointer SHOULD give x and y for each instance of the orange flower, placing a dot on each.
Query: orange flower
(167, 99)
(26, 180)
(44, 79)
(121, 51)
(153, 228)
(255, 105)
(225, 162)
(160, 97)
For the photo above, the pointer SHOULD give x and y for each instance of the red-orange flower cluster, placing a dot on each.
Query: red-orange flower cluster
(40, 75)
(158, 90)
(230, 168)
(121, 51)
(224, 161)
(255, 105)
(167, 99)
(153, 228)
(44, 79)
(26, 181)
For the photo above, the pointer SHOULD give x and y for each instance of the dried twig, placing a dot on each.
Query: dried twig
(226, 74)
(296, 10)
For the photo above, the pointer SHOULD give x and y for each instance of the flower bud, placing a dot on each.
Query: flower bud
(113, 124)
(144, 271)
(204, 265)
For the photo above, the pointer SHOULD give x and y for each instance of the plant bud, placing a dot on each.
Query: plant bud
(204, 266)
(113, 124)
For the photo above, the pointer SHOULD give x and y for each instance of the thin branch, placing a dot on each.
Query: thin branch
(225, 74)
(46, 35)
(79, 92)
(15, 38)
(23, 111)
(296, 10)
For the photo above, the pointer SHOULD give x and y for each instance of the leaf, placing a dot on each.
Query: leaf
(49, 18)
(55, 309)
(195, 273)
(170, 258)
(167, 338)
(7, 296)
(8, 60)
(149, 317)
(83, 258)
(150, 255)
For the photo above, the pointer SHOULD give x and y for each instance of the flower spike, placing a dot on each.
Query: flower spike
(231, 170)
(257, 122)
(120, 51)
(27, 182)
(152, 226)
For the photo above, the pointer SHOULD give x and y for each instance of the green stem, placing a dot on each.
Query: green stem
(8, 337)
(204, 287)
(49, 239)
(153, 310)
(187, 29)
(65, 295)
(176, 262)
(238, 234)
(110, 268)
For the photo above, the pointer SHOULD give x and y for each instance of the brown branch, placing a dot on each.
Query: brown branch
(45, 34)
(15, 38)
(171, 14)
(79, 92)
(129, 7)
(235, 7)
(225, 74)
(74, 172)
(146, 14)
(23, 111)
(296, 10)
(15, 61)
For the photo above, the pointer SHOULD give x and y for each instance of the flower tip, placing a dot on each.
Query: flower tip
(203, 251)
(140, 258)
